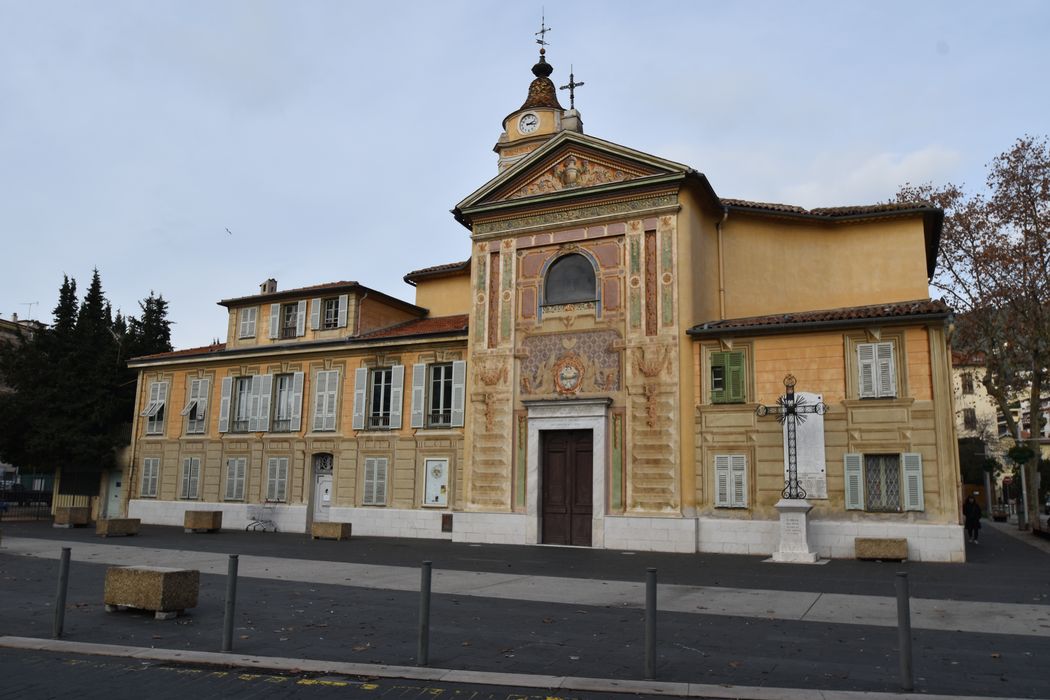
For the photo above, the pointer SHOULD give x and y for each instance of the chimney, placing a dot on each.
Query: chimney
(268, 287)
(14, 317)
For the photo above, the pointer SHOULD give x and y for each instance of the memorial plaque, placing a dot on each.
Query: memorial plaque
(809, 439)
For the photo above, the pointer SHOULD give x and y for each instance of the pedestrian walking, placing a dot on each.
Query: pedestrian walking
(972, 514)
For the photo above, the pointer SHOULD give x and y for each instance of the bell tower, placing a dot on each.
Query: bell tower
(539, 118)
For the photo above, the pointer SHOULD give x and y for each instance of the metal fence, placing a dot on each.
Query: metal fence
(23, 504)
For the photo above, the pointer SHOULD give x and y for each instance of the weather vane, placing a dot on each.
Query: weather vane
(542, 33)
(571, 87)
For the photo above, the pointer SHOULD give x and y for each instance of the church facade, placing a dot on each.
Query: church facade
(591, 376)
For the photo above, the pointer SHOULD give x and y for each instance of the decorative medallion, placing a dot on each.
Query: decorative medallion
(568, 374)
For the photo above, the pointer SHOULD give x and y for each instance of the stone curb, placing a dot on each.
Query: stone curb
(518, 680)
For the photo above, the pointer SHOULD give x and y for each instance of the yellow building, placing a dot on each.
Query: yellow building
(625, 324)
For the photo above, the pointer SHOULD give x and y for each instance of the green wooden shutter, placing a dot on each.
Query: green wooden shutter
(913, 499)
(719, 362)
(854, 481)
(734, 377)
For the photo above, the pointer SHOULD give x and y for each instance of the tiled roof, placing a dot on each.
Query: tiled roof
(437, 270)
(826, 317)
(437, 325)
(291, 292)
(204, 350)
(831, 212)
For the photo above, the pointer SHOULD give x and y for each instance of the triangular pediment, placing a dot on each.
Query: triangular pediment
(570, 162)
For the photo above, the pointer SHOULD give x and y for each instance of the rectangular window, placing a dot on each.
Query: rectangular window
(289, 320)
(235, 472)
(970, 419)
(727, 377)
(246, 322)
(967, 383)
(277, 479)
(330, 313)
(877, 372)
(326, 394)
(196, 410)
(191, 478)
(150, 476)
(283, 403)
(375, 481)
(154, 411)
(379, 398)
(242, 404)
(730, 481)
(884, 483)
(440, 413)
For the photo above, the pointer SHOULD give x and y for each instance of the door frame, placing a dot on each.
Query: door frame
(579, 414)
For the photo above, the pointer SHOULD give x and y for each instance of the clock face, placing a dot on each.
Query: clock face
(528, 123)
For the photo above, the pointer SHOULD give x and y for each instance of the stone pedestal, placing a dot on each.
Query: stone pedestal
(72, 516)
(330, 530)
(202, 521)
(165, 591)
(108, 527)
(794, 533)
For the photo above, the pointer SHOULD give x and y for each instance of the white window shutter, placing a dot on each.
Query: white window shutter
(191, 398)
(315, 314)
(866, 367)
(297, 402)
(344, 302)
(459, 389)
(886, 374)
(275, 320)
(282, 479)
(320, 400)
(360, 387)
(380, 483)
(203, 392)
(913, 497)
(162, 397)
(332, 401)
(738, 481)
(253, 403)
(854, 481)
(722, 481)
(397, 390)
(151, 402)
(271, 479)
(265, 393)
(300, 318)
(370, 481)
(419, 381)
(224, 404)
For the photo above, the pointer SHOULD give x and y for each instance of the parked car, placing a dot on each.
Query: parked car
(15, 494)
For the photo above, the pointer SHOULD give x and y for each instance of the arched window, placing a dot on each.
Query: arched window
(570, 279)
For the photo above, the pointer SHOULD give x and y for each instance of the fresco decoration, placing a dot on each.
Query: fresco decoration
(650, 364)
(575, 171)
(628, 206)
(568, 364)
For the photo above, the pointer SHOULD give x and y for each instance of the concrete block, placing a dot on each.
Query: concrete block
(165, 591)
(888, 548)
(202, 520)
(330, 531)
(108, 527)
(72, 516)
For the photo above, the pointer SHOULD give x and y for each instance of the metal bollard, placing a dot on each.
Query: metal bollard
(650, 623)
(904, 630)
(423, 652)
(231, 602)
(60, 597)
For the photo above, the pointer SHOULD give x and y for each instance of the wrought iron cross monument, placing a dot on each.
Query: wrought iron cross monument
(791, 411)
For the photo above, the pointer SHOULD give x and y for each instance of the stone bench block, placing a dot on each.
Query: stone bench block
(165, 591)
(108, 527)
(202, 521)
(72, 516)
(887, 548)
(330, 531)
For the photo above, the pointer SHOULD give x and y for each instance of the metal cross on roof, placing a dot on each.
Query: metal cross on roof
(791, 411)
(542, 33)
(571, 87)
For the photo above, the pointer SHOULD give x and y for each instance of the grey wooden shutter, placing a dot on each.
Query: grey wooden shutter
(738, 481)
(275, 320)
(224, 404)
(300, 318)
(162, 395)
(370, 481)
(854, 481)
(380, 481)
(203, 392)
(265, 392)
(913, 496)
(459, 388)
(344, 302)
(866, 368)
(151, 402)
(332, 400)
(360, 387)
(281, 492)
(885, 370)
(271, 479)
(397, 390)
(320, 399)
(253, 403)
(297, 402)
(419, 382)
(195, 385)
(722, 481)
(315, 314)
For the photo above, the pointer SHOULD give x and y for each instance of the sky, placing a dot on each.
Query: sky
(195, 148)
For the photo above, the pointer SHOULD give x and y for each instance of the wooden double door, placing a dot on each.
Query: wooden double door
(567, 486)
